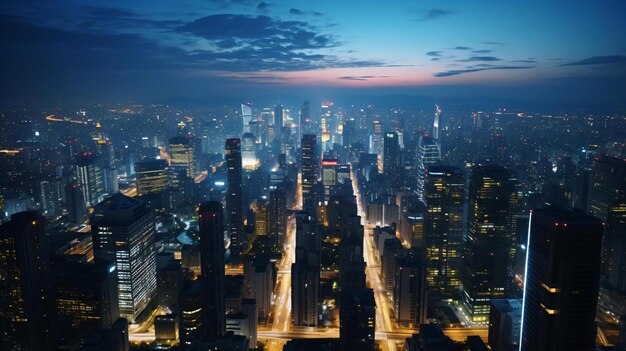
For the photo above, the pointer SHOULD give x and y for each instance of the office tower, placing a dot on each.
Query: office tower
(306, 123)
(248, 152)
(309, 173)
(75, 203)
(23, 316)
(246, 116)
(152, 176)
(436, 122)
(277, 216)
(376, 140)
(211, 233)
(308, 239)
(351, 262)
(349, 132)
(305, 279)
(234, 206)
(261, 220)
(85, 295)
(49, 195)
(278, 120)
(392, 160)
(106, 158)
(391, 249)
(607, 196)
(166, 328)
(505, 319)
(262, 284)
(182, 155)
(490, 242)
(123, 231)
(443, 228)
(409, 293)
(357, 319)
(329, 176)
(563, 265)
(428, 154)
(169, 284)
(89, 176)
(191, 316)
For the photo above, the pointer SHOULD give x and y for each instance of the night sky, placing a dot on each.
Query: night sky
(536, 51)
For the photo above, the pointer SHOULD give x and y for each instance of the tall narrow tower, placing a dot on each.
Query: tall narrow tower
(234, 205)
(436, 123)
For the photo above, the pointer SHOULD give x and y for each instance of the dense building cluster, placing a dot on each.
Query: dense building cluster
(329, 228)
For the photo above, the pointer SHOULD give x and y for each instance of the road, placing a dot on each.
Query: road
(384, 319)
(281, 314)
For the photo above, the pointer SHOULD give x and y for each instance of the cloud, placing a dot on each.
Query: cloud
(480, 59)
(295, 11)
(461, 48)
(456, 72)
(599, 60)
(435, 14)
(482, 51)
(434, 53)
(362, 78)
(525, 61)
(263, 7)
(497, 43)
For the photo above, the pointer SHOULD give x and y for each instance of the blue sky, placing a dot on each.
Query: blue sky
(558, 50)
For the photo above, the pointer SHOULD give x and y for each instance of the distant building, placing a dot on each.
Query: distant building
(505, 319)
(182, 154)
(562, 282)
(392, 160)
(234, 194)
(152, 176)
(89, 176)
(75, 203)
(309, 173)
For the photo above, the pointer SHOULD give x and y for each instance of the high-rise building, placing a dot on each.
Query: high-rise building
(191, 325)
(182, 154)
(211, 231)
(277, 216)
(49, 195)
(562, 282)
(246, 116)
(392, 160)
(436, 122)
(234, 206)
(152, 176)
(409, 293)
(278, 120)
(505, 318)
(89, 176)
(123, 231)
(305, 280)
(75, 203)
(443, 228)
(23, 315)
(261, 218)
(357, 319)
(428, 154)
(376, 140)
(329, 176)
(607, 195)
(309, 173)
(248, 152)
(306, 123)
(490, 241)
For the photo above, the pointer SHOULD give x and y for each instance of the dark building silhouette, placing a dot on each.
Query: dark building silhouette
(309, 173)
(23, 313)
(75, 203)
(212, 272)
(392, 159)
(490, 244)
(357, 319)
(562, 281)
(234, 205)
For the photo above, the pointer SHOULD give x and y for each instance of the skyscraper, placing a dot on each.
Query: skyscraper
(248, 152)
(277, 216)
(563, 264)
(152, 176)
(75, 203)
(309, 173)
(428, 153)
(409, 293)
(305, 271)
(357, 319)
(211, 232)
(182, 155)
(23, 317)
(49, 195)
(123, 232)
(278, 120)
(234, 204)
(89, 175)
(329, 176)
(490, 242)
(443, 228)
(246, 116)
(392, 160)
(306, 123)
